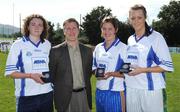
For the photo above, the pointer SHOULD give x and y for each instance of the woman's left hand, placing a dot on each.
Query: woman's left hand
(114, 74)
(136, 71)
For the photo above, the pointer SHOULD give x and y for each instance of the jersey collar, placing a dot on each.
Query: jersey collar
(137, 40)
(35, 44)
(115, 42)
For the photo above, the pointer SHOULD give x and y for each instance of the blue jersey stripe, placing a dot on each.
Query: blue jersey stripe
(117, 42)
(150, 81)
(10, 65)
(167, 63)
(20, 65)
(11, 69)
(111, 83)
(35, 44)
(170, 66)
(118, 66)
(22, 92)
(151, 57)
(119, 63)
(104, 44)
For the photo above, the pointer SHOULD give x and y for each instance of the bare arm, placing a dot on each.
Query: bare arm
(114, 74)
(138, 70)
(35, 76)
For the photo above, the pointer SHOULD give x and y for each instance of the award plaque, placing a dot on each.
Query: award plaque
(125, 68)
(46, 78)
(100, 72)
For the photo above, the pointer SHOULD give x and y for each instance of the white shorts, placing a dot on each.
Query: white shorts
(138, 100)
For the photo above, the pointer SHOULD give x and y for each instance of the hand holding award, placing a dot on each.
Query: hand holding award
(46, 77)
(100, 72)
(125, 68)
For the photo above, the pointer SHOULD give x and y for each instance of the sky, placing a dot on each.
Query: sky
(57, 11)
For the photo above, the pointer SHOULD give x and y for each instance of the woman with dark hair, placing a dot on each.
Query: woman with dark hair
(149, 57)
(27, 62)
(108, 58)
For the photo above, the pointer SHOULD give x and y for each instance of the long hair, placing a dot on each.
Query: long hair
(27, 21)
(148, 29)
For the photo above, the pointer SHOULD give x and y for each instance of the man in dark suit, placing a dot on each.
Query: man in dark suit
(70, 67)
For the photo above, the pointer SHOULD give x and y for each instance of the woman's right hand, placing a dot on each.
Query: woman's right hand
(37, 77)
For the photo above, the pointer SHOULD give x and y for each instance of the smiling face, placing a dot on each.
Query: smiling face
(137, 20)
(71, 31)
(35, 27)
(108, 31)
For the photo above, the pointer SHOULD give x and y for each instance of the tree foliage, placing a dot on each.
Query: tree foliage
(91, 24)
(124, 31)
(169, 23)
(55, 36)
(51, 32)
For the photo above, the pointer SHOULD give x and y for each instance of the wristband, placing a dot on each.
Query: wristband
(29, 76)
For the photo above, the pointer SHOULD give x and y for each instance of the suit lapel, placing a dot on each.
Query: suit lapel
(82, 51)
(67, 58)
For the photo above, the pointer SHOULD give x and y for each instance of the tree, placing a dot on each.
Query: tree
(16, 35)
(59, 35)
(91, 24)
(169, 23)
(124, 31)
(55, 36)
(51, 32)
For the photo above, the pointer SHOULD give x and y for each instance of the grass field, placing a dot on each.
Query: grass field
(7, 99)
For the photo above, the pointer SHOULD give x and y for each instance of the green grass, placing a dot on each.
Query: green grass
(7, 99)
(173, 86)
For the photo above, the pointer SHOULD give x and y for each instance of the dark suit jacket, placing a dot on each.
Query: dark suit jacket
(61, 72)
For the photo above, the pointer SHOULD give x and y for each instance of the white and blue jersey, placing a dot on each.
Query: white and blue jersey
(111, 59)
(27, 57)
(148, 51)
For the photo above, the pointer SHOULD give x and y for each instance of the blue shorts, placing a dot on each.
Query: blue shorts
(37, 103)
(109, 101)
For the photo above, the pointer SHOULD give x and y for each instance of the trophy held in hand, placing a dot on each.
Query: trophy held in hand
(100, 72)
(46, 78)
(125, 68)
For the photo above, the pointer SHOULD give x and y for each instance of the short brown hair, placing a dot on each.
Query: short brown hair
(111, 20)
(27, 21)
(71, 20)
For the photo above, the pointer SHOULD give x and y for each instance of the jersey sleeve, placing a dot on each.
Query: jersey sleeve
(124, 52)
(94, 65)
(12, 59)
(163, 53)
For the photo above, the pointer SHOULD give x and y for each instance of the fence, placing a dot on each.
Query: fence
(5, 46)
(174, 49)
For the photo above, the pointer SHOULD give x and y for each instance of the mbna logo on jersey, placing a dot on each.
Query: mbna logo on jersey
(39, 62)
(28, 53)
(37, 50)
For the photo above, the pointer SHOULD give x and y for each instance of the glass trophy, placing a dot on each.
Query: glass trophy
(46, 78)
(125, 68)
(100, 72)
